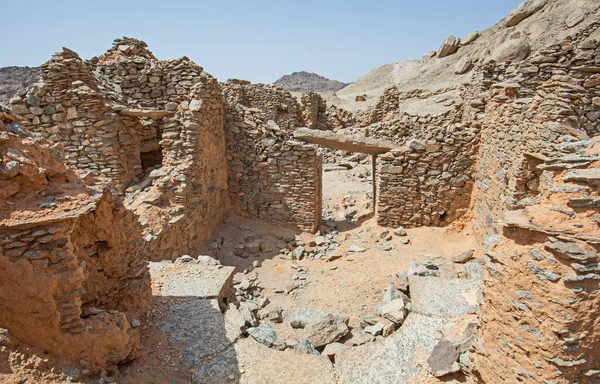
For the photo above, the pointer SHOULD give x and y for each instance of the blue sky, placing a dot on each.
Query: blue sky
(256, 40)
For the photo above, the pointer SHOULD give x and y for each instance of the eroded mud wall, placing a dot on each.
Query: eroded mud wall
(541, 241)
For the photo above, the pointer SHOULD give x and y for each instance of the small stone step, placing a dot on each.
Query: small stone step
(197, 329)
(444, 298)
(192, 279)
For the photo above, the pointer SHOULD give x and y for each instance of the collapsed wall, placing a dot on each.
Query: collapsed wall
(69, 283)
(535, 207)
(151, 129)
(271, 175)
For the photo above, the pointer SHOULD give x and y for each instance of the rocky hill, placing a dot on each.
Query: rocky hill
(14, 78)
(528, 28)
(306, 81)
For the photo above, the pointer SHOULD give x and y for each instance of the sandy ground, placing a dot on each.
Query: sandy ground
(349, 286)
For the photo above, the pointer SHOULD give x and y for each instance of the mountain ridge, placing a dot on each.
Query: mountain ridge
(303, 81)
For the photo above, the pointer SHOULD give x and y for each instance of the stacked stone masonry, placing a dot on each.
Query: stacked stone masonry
(536, 215)
(271, 176)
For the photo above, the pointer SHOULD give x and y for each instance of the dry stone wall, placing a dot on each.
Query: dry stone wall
(149, 128)
(188, 196)
(69, 108)
(539, 106)
(428, 180)
(427, 184)
(271, 176)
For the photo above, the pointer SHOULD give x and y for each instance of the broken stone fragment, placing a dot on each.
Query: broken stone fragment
(463, 65)
(184, 259)
(275, 315)
(321, 328)
(334, 348)
(523, 11)
(463, 257)
(264, 334)
(355, 249)
(375, 329)
(570, 251)
(358, 337)
(394, 311)
(6, 339)
(11, 169)
(471, 37)
(402, 281)
(252, 248)
(512, 51)
(427, 268)
(304, 346)
(543, 274)
(400, 231)
(443, 359)
(391, 293)
(448, 47)
(386, 247)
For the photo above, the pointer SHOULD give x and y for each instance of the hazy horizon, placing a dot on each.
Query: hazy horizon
(260, 41)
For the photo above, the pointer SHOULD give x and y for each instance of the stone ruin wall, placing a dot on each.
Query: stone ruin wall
(540, 316)
(271, 176)
(539, 107)
(317, 115)
(136, 123)
(187, 197)
(69, 108)
(72, 281)
(154, 142)
(428, 179)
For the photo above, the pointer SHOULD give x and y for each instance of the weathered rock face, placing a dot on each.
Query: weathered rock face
(12, 79)
(64, 259)
(512, 51)
(523, 11)
(449, 46)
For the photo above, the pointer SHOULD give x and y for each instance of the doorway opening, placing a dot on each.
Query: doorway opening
(348, 190)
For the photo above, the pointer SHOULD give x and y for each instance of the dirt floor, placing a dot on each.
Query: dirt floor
(349, 286)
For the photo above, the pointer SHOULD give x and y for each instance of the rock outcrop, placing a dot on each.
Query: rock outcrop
(13, 79)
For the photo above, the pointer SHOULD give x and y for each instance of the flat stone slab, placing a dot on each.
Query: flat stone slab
(329, 139)
(152, 113)
(197, 329)
(249, 362)
(191, 280)
(395, 359)
(444, 298)
(589, 175)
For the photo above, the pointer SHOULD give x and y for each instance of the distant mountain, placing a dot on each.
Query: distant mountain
(306, 81)
(14, 78)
